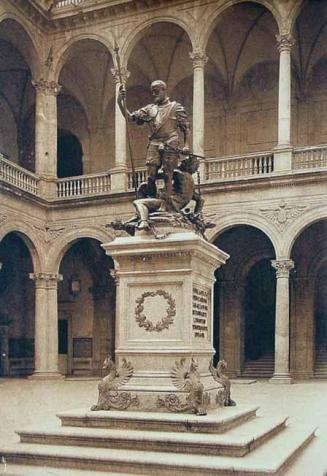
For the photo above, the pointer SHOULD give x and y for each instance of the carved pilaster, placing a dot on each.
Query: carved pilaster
(46, 280)
(199, 58)
(282, 267)
(47, 87)
(285, 42)
(124, 75)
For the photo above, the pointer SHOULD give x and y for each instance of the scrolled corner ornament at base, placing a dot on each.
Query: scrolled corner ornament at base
(110, 397)
(186, 379)
(220, 377)
(165, 322)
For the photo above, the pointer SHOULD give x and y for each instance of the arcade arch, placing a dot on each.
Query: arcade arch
(161, 52)
(243, 319)
(86, 308)
(242, 81)
(17, 304)
(17, 95)
(85, 102)
(308, 302)
(309, 66)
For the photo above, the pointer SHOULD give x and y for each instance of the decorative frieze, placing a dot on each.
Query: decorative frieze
(50, 233)
(198, 57)
(282, 267)
(283, 215)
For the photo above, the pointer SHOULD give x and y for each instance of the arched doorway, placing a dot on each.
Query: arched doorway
(86, 309)
(244, 302)
(69, 155)
(17, 307)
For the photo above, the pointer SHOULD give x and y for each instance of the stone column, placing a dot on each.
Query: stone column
(199, 60)
(119, 177)
(283, 151)
(46, 325)
(282, 324)
(46, 127)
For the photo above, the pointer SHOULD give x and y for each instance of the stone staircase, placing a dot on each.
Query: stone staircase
(228, 441)
(321, 362)
(260, 368)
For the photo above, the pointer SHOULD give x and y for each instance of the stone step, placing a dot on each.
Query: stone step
(237, 442)
(215, 422)
(271, 458)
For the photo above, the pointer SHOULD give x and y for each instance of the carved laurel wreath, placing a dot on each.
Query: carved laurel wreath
(165, 322)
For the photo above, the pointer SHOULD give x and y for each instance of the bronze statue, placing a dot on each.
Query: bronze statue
(165, 119)
(183, 191)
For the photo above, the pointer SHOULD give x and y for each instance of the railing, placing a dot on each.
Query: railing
(83, 185)
(68, 3)
(310, 157)
(18, 176)
(140, 176)
(239, 166)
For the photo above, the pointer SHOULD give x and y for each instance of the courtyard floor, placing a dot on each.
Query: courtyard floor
(26, 403)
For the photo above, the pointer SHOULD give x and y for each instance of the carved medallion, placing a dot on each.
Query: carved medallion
(165, 322)
(283, 214)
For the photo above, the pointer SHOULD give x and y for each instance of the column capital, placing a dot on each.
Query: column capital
(124, 73)
(46, 280)
(198, 57)
(285, 42)
(282, 267)
(114, 275)
(47, 87)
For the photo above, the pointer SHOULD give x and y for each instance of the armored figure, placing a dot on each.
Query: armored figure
(183, 191)
(166, 120)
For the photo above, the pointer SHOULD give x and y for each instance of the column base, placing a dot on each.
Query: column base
(46, 376)
(281, 378)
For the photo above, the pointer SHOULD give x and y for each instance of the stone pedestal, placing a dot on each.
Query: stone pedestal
(164, 313)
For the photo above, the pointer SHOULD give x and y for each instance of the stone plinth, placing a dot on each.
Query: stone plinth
(164, 313)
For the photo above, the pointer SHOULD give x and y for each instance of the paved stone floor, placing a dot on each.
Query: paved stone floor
(26, 402)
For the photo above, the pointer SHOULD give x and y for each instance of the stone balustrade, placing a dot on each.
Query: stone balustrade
(238, 166)
(21, 178)
(310, 157)
(215, 170)
(140, 176)
(68, 3)
(84, 185)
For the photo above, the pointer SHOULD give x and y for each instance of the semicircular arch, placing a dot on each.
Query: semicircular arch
(33, 58)
(299, 226)
(66, 241)
(249, 219)
(30, 239)
(209, 24)
(135, 36)
(65, 50)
